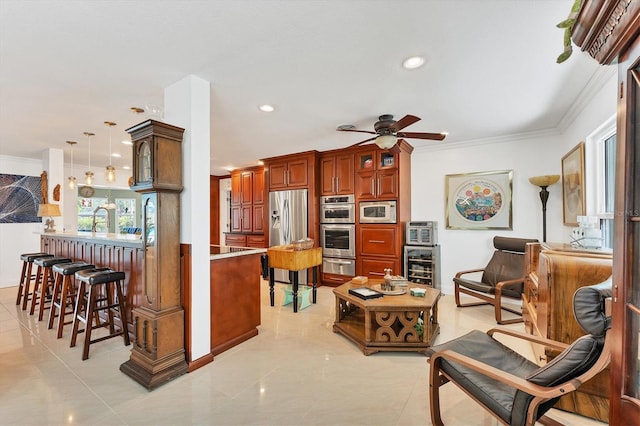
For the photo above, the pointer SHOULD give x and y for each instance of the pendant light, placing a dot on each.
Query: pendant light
(72, 179)
(110, 171)
(88, 176)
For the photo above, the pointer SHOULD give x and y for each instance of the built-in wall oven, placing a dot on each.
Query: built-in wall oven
(338, 240)
(338, 209)
(338, 236)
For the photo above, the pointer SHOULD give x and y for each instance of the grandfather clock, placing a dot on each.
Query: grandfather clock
(158, 354)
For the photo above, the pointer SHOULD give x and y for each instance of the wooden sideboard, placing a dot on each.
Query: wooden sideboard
(553, 273)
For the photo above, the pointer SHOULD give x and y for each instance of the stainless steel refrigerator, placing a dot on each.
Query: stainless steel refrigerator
(288, 222)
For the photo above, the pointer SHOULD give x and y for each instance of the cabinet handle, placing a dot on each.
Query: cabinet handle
(334, 184)
(339, 262)
(376, 273)
(373, 190)
(286, 177)
(378, 185)
(337, 184)
(377, 241)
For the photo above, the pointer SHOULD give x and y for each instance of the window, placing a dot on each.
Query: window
(125, 214)
(608, 193)
(86, 207)
(604, 151)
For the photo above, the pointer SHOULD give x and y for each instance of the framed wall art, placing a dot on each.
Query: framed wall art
(19, 198)
(573, 201)
(479, 200)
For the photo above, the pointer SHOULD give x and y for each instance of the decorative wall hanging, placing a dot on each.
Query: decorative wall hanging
(573, 202)
(19, 198)
(480, 200)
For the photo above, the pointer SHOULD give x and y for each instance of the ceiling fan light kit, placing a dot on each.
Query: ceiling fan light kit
(387, 131)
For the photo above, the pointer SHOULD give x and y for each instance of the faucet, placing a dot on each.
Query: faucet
(93, 224)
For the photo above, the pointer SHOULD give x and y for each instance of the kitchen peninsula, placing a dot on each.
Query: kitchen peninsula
(121, 252)
(235, 295)
(234, 280)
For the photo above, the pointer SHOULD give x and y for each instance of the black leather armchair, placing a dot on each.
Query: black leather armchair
(502, 277)
(512, 388)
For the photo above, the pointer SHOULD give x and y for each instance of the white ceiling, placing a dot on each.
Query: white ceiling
(68, 66)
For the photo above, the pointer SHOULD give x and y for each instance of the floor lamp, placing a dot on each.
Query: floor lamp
(543, 182)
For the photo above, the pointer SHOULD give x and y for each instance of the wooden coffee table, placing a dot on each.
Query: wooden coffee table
(387, 323)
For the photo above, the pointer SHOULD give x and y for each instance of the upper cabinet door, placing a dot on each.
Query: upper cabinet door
(278, 175)
(246, 184)
(258, 187)
(297, 173)
(236, 187)
(327, 175)
(344, 172)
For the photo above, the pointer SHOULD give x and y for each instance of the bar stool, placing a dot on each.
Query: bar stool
(44, 275)
(64, 292)
(96, 293)
(26, 276)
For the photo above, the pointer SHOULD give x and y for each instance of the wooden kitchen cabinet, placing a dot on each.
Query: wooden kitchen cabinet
(379, 248)
(377, 174)
(553, 273)
(247, 200)
(288, 174)
(337, 174)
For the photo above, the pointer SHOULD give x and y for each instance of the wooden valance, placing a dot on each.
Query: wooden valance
(604, 28)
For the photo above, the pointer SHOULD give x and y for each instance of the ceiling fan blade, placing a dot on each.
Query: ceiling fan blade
(403, 122)
(361, 142)
(415, 135)
(355, 130)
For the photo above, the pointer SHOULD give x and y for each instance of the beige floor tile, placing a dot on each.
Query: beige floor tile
(295, 372)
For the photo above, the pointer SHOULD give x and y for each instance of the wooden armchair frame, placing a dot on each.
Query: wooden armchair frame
(495, 299)
(540, 394)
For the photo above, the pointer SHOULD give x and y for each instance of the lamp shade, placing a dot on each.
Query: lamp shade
(545, 180)
(49, 210)
(386, 141)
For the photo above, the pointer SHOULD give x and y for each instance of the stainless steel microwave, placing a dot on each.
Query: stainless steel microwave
(378, 212)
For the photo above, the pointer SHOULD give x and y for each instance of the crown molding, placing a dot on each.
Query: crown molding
(516, 137)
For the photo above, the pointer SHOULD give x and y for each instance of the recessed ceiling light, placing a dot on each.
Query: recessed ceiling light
(127, 143)
(126, 167)
(266, 108)
(413, 62)
(115, 154)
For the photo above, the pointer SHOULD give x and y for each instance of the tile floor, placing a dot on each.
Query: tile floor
(295, 372)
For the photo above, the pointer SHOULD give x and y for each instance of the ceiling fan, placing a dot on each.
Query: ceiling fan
(388, 131)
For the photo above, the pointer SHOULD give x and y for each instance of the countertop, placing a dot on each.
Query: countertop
(103, 236)
(221, 252)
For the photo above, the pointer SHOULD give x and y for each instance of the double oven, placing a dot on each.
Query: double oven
(338, 234)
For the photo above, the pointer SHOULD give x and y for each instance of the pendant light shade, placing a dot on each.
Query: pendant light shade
(88, 176)
(110, 171)
(72, 181)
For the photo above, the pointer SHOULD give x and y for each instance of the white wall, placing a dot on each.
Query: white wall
(17, 238)
(527, 155)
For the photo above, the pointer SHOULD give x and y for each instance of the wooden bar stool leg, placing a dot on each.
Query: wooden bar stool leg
(36, 288)
(87, 330)
(57, 290)
(47, 283)
(67, 298)
(122, 313)
(27, 286)
(109, 288)
(23, 278)
(80, 302)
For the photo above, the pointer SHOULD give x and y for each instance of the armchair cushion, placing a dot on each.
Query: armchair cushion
(572, 362)
(478, 345)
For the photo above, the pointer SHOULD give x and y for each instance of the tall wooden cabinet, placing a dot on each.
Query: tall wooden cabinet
(248, 208)
(382, 175)
(553, 273)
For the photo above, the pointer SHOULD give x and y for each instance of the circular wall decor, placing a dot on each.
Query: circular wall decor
(86, 191)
